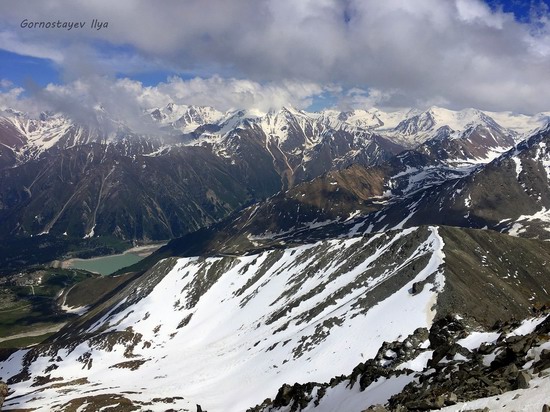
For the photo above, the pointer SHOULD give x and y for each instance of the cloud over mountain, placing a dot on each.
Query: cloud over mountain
(457, 53)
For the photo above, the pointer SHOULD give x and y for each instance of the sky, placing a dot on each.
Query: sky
(263, 54)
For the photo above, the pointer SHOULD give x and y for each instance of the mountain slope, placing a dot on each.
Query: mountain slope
(96, 190)
(511, 194)
(60, 177)
(256, 155)
(227, 331)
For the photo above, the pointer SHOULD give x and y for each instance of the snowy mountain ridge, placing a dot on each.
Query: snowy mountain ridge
(227, 331)
(407, 127)
(259, 154)
(509, 194)
(54, 131)
(407, 122)
(186, 118)
(236, 328)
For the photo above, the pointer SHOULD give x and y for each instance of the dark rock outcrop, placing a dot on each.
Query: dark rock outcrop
(453, 374)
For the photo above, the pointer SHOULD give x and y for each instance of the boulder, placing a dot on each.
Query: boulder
(522, 381)
(417, 288)
(376, 408)
(3, 393)
(543, 362)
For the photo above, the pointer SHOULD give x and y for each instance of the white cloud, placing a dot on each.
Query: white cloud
(103, 99)
(457, 51)
(234, 93)
(478, 12)
(215, 91)
(358, 98)
(5, 83)
(10, 41)
(11, 97)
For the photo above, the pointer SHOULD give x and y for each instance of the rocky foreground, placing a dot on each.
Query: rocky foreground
(443, 367)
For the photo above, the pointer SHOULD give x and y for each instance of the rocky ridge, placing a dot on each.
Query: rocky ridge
(281, 315)
(447, 366)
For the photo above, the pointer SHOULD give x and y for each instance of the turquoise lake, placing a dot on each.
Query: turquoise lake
(107, 264)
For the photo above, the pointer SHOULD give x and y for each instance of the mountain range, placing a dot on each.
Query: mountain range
(60, 177)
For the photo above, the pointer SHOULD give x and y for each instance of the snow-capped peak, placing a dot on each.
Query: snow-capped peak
(186, 118)
(357, 118)
(436, 117)
(520, 123)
